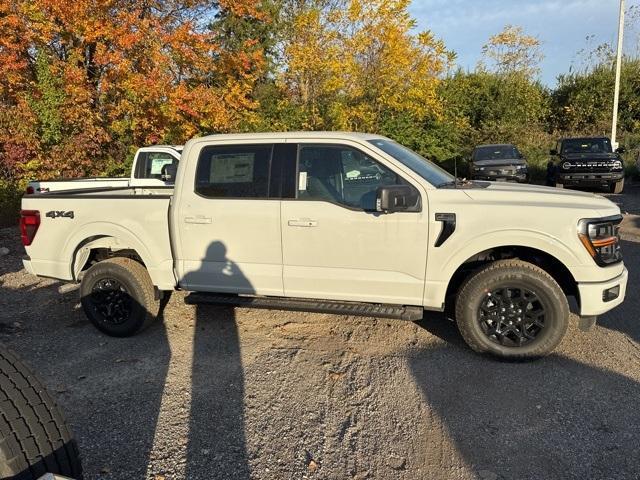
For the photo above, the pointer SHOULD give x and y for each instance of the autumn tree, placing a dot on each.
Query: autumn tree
(349, 63)
(512, 51)
(83, 81)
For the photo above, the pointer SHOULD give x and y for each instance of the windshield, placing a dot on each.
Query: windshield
(423, 167)
(586, 145)
(496, 152)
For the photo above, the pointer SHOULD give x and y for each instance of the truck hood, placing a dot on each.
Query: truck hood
(589, 156)
(535, 195)
(499, 162)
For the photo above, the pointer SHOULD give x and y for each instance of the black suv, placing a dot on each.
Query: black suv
(589, 162)
(502, 162)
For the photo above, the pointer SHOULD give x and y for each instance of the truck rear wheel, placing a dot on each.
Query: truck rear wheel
(512, 309)
(617, 187)
(117, 296)
(34, 437)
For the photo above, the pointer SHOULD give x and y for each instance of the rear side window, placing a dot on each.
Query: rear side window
(237, 171)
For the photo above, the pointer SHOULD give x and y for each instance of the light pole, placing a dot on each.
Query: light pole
(616, 91)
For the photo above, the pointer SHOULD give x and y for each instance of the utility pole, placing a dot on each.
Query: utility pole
(616, 92)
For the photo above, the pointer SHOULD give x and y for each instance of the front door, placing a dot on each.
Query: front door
(230, 239)
(336, 246)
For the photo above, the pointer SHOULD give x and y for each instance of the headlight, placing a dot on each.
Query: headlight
(566, 165)
(617, 164)
(521, 168)
(601, 238)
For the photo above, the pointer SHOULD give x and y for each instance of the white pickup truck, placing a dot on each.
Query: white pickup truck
(335, 222)
(147, 171)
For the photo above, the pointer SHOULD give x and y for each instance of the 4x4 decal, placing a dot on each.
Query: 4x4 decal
(60, 214)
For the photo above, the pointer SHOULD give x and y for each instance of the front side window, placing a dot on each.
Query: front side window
(238, 171)
(151, 164)
(341, 174)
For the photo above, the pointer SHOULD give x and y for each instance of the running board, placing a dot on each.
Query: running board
(399, 312)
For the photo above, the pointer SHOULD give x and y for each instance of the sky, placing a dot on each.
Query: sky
(561, 26)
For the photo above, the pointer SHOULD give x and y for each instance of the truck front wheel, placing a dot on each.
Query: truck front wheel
(117, 296)
(616, 187)
(512, 309)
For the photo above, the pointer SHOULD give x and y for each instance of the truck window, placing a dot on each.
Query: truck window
(150, 164)
(238, 171)
(341, 174)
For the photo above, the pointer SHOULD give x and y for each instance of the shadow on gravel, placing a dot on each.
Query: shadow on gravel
(554, 418)
(216, 445)
(626, 317)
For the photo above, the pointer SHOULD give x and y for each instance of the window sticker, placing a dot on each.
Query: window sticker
(158, 163)
(302, 181)
(232, 168)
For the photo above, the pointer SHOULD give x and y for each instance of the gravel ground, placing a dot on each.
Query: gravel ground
(220, 393)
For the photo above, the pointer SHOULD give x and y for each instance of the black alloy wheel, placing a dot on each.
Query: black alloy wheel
(512, 316)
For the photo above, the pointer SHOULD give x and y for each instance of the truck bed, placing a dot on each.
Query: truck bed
(113, 218)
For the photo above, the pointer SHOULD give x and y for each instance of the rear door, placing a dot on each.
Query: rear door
(229, 220)
(336, 245)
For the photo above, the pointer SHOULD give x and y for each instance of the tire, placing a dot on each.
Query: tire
(34, 437)
(473, 302)
(118, 297)
(616, 187)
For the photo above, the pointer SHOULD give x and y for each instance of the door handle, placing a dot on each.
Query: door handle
(302, 222)
(197, 219)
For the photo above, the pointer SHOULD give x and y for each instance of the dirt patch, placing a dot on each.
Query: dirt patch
(236, 394)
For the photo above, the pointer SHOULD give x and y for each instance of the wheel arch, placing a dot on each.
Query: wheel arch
(547, 261)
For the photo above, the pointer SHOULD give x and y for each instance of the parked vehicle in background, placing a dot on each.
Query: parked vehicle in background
(589, 162)
(148, 170)
(335, 222)
(500, 162)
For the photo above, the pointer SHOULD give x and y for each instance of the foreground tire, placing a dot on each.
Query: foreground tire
(617, 187)
(34, 437)
(117, 296)
(512, 309)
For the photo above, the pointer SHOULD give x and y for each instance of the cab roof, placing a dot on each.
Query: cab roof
(287, 135)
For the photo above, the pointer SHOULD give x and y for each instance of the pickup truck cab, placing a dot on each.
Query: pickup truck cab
(147, 170)
(339, 222)
(589, 162)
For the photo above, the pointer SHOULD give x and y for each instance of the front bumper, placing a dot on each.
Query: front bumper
(601, 178)
(592, 301)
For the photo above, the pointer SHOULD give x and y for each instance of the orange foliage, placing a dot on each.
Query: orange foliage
(83, 80)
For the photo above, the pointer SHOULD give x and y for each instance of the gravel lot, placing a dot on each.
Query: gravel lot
(221, 393)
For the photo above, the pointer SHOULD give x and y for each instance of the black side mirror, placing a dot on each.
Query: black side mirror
(397, 198)
(169, 173)
(553, 152)
(621, 150)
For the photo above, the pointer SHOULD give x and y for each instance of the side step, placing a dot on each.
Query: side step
(400, 312)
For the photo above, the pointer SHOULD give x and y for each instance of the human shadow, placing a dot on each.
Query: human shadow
(554, 418)
(216, 445)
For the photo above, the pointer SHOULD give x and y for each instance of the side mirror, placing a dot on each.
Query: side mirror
(553, 152)
(397, 198)
(169, 173)
(621, 150)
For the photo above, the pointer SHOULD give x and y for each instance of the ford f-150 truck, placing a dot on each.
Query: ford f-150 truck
(589, 162)
(147, 170)
(335, 222)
